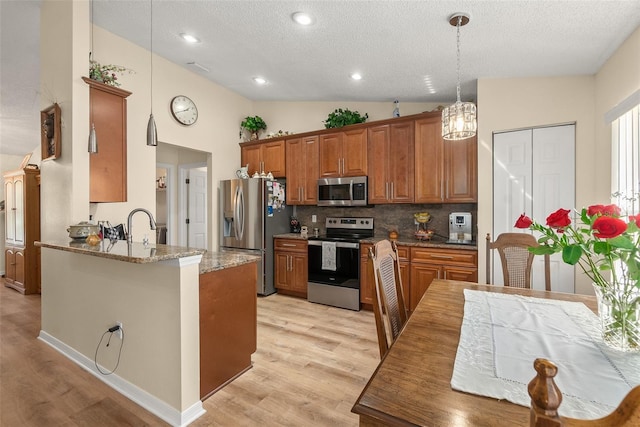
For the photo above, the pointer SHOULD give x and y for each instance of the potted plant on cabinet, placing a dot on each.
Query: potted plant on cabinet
(254, 125)
(340, 117)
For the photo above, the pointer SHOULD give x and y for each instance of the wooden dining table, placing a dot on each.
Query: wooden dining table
(412, 384)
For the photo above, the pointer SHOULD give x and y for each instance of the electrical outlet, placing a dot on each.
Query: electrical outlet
(119, 331)
(314, 218)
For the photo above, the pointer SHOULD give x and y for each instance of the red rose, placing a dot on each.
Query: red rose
(559, 219)
(523, 222)
(611, 210)
(595, 209)
(607, 227)
(635, 218)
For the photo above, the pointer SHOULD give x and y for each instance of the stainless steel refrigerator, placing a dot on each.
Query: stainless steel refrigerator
(252, 212)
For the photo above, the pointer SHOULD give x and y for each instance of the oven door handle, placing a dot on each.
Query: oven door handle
(349, 245)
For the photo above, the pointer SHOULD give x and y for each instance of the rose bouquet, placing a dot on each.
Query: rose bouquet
(605, 246)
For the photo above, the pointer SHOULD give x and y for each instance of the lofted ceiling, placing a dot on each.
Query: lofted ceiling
(405, 50)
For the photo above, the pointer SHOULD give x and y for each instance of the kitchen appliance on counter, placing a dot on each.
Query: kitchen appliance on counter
(334, 262)
(460, 230)
(252, 211)
(345, 191)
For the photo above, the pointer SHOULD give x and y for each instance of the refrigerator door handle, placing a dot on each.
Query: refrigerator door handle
(238, 214)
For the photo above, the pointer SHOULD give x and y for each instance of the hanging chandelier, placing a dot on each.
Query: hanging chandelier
(459, 120)
(152, 132)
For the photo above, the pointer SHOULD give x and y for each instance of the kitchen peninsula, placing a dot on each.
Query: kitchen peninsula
(188, 328)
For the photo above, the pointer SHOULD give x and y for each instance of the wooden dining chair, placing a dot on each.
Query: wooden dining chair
(516, 259)
(388, 297)
(546, 398)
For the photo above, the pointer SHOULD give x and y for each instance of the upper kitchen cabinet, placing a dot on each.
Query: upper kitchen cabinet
(343, 153)
(22, 229)
(108, 167)
(264, 157)
(445, 171)
(461, 171)
(391, 163)
(302, 170)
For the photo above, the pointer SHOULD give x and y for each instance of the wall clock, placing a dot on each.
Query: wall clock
(184, 110)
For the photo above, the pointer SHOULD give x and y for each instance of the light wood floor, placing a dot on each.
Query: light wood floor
(311, 364)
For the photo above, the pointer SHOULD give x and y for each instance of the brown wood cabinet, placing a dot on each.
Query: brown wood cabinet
(445, 171)
(428, 264)
(343, 153)
(228, 325)
(291, 269)
(108, 167)
(302, 170)
(461, 176)
(391, 163)
(22, 229)
(264, 157)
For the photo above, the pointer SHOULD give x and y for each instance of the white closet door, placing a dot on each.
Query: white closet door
(533, 173)
(512, 183)
(554, 188)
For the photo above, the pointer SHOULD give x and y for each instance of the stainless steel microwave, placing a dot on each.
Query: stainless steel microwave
(346, 191)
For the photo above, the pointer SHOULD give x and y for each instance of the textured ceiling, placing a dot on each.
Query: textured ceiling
(398, 46)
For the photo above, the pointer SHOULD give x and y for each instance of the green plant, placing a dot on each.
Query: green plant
(106, 73)
(253, 124)
(340, 117)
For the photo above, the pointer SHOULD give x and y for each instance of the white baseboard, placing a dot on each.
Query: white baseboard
(131, 391)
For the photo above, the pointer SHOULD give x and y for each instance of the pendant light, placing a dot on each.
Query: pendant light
(93, 140)
(459, 120)
(152, 132)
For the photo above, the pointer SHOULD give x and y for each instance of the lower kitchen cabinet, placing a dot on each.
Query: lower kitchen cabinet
(14, 268)
(428, 264)
(291, 266)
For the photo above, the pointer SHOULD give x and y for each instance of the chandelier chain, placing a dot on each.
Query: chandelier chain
(458, 54)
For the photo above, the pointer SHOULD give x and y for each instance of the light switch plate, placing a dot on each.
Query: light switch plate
(314, 218)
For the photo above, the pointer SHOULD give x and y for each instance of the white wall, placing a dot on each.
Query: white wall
(298, 117)
(505, 104)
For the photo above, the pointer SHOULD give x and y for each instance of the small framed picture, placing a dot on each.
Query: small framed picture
(50, 130)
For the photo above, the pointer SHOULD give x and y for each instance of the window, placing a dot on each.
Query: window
(625, 159)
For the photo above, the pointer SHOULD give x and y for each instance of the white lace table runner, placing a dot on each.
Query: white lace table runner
(502, 335)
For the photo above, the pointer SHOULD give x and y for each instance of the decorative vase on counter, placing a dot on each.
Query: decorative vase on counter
(619, 312)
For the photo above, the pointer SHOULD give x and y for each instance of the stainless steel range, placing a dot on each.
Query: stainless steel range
(334, 262)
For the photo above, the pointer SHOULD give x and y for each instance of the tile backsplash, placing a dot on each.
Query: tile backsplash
(391, 217)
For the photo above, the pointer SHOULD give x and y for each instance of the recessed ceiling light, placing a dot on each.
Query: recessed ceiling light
(356, 76)
(190, 38)
(259, 80)
(302, 18)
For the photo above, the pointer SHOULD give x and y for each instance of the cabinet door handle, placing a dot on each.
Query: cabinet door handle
(290, 245)
(290, 263)
(386, 190)
(441, 190)
(445, 275)
(441, 256)
(392, 190)
(302, 194)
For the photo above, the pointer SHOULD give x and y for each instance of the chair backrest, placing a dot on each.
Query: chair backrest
(516, 259)
(546, 398)
(388, 297)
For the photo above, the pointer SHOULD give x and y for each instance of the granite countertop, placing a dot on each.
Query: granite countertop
(121, 250)
(436, 242)
(140, 253)
(214, 261)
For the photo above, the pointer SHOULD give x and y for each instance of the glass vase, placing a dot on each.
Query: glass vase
(619, 312)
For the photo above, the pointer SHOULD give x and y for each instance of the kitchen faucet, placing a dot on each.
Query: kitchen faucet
(152, 222)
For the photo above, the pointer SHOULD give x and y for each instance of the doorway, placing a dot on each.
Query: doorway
(192, 210)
